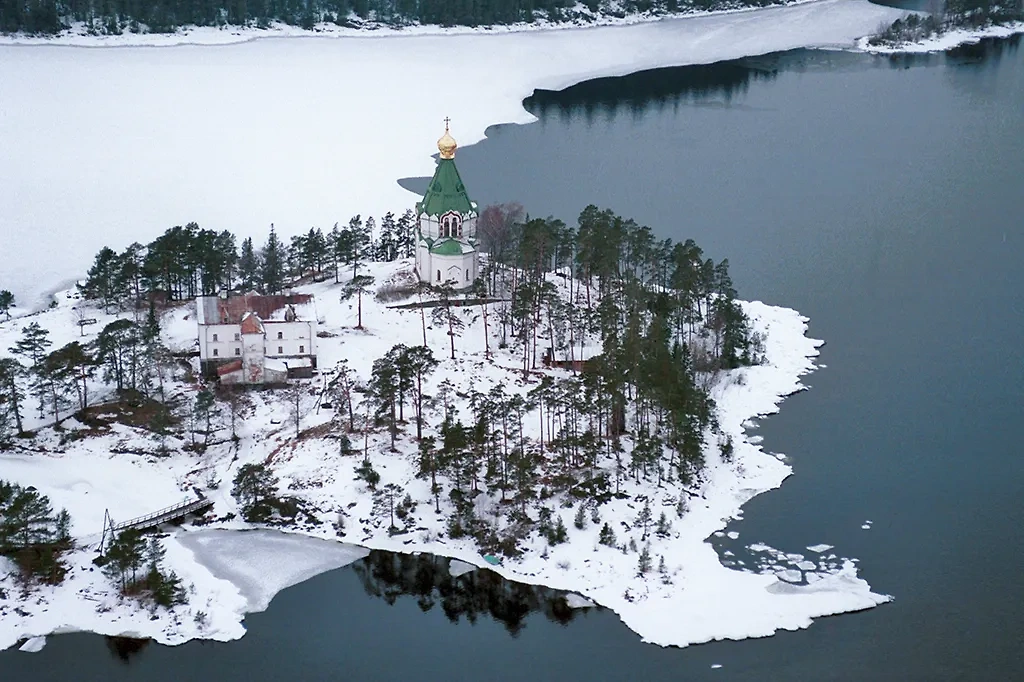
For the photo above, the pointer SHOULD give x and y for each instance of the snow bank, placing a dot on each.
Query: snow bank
(229, 574)
(698, 599)
(946, 41)
(261, 563)
(299, 132)
(33, 645)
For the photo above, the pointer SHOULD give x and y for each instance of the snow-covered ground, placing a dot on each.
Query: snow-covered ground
(110, 146)
(229, 573)
(945, 41)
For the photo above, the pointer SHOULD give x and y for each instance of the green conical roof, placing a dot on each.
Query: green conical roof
(446, 192)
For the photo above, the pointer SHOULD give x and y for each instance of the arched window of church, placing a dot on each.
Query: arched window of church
(459, 223)
(444, 226)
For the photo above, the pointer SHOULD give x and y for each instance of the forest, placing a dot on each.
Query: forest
(162, 16)
(644, 324)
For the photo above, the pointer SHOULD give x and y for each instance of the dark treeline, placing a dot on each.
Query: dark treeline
(188, 261)
(120, 16)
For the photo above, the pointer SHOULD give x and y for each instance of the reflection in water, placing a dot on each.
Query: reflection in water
(427, 578)
(126, 648)
(657, 88)
(984, 50)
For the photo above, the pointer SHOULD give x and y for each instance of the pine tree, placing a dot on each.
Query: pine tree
(406, 235)
(644, 518)
(391, 493)
(125, 556)
(357, 286)
(254, 486)
(103, 281)
(272, 260)
(443, 315)
(644, 563)
(32, 347)
(664, 527)
(11, 395)
(119, 349)
(580, 521)
(387, 245)
(607, 536)
(249, 267)
(7, 302)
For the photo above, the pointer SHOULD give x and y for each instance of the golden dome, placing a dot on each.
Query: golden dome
(447, 145)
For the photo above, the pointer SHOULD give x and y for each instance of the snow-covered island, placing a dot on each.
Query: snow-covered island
(576, 416)
(949, 25)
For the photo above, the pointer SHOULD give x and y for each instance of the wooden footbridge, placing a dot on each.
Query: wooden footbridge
(190, 505)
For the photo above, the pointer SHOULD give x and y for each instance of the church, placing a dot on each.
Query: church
(446, 225)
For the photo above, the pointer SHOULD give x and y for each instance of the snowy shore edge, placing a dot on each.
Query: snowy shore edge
(230, 573)
(326, 132)
(945, 41)
(77, 35)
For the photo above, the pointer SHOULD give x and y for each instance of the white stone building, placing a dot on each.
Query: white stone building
(446, 225)
(255, 339)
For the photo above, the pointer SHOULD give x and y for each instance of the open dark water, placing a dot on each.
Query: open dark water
(884, 199)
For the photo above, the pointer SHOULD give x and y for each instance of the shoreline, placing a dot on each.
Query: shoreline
(732, 604)
(945, 41)
(210, 36)
(248, 176)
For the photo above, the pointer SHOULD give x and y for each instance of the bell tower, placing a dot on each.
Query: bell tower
(446, 224)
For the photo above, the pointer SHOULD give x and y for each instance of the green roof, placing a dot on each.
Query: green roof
(449, 247)
(446, 192)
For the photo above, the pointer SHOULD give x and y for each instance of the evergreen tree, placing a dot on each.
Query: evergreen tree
(357, 286)
(644, 563)
(104, 280)
(254, 486)
(443, 315)
(118, 348)
(249, 267)
(11, 395)
(7, 302)
(272, 264)
(607, 536)
(387, 245)
(125, 557)
(580, 520)
(644, 518)
(32, 348)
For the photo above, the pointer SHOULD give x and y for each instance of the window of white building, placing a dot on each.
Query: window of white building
(214, 352)
(238, 351)
(302, 349)
(215, 338)
(280, 350)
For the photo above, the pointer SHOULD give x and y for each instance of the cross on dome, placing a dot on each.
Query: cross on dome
(447, 145)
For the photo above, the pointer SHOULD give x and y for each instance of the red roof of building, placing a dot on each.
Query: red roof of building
(251, 324)
(230, 310)
(233, 366)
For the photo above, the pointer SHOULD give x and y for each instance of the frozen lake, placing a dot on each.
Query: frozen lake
(110, 146)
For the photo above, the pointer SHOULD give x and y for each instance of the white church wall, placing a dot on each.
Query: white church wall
(290, 338)
(219, 341)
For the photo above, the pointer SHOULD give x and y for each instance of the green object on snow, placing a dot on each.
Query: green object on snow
(493, 560)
